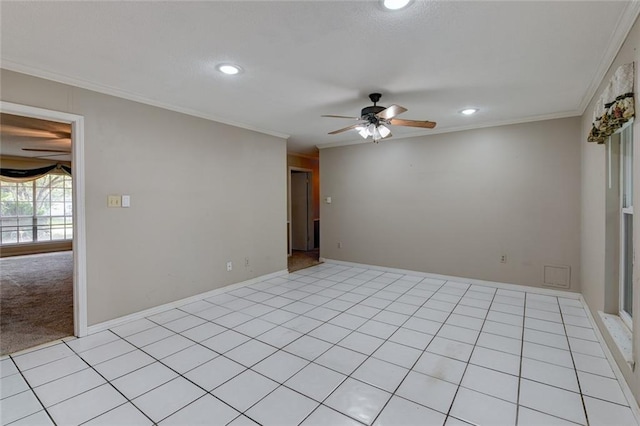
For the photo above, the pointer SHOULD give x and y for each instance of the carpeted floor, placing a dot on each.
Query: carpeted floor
(36, 300)
(303, 259)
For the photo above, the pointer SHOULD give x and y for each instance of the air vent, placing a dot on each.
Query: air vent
(557, 276)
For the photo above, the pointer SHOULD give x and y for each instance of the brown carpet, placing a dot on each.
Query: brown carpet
(36, 300)
(303, 259)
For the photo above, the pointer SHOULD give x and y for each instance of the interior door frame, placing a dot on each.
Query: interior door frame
(309, 206)
(79, 218)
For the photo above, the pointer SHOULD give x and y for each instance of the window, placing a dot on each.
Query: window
(36, 211)
(626, 224)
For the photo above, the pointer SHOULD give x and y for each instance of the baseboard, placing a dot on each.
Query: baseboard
(171, 305)
(496, 284)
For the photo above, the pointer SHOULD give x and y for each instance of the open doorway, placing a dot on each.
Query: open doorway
(42, 278)
(303, 247)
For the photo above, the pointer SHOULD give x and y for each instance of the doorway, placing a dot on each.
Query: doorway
(78, 255)
(302, 251)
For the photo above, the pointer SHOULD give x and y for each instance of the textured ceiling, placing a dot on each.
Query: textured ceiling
(515, 60)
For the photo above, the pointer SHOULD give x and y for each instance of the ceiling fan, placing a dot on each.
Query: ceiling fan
(375, 119)
(28, 131)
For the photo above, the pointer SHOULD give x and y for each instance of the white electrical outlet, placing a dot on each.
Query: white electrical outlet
(229, 266)
(503, 258)
(246, 262)
(339, 245)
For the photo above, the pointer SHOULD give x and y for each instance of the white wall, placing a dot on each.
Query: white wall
(595, 288)
(454, 203)
(202, 193)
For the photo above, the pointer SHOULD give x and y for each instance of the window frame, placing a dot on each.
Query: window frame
(626, 212)
(67, 225)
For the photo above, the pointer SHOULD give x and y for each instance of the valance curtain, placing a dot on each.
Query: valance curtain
(17, 175)
(615, 106)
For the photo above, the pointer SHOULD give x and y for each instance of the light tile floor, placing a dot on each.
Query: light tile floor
(330, 345)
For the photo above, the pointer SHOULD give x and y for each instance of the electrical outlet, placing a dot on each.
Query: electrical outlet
(229, 266)
(339, 245)
(114, 201)
(246, 262)
(503, 258)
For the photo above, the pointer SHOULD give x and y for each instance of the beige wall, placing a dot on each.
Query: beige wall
(598, 290)
(202, 193)
(454, 203)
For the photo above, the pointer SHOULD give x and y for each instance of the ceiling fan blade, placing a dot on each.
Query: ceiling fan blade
(28, 123)
(340, 116)
(345, 129)
(51, 155)
(47, 150)
(8, 130)
(391, 112)
(412, 123)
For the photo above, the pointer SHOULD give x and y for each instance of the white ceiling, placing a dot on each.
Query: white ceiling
(515, 60)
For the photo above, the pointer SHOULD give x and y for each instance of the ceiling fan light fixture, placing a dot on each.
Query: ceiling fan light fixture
(229, 69)
(383, 130)
(363, 132)
(376, 135)
(469, 111)
(395, 4)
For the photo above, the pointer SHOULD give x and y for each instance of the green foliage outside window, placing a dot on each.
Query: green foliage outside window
(40, 210)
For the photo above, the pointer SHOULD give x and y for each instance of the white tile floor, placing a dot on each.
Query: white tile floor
(330, 345)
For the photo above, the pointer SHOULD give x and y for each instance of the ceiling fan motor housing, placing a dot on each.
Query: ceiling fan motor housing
(369, 113)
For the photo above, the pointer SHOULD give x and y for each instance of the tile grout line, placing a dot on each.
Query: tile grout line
(524, 319)
(310, 362)
(484, 320)
(246, 368)
(319, 289)
(127, 400)
(371, 355)
(32, 391)
(573, 362)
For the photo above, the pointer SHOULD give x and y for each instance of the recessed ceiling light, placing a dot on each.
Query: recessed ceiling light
(469, 111)
(395, 4)
(229, 69)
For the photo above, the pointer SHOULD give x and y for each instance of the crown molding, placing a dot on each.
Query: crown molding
(543, 117)
(10, 65)
(623, 27)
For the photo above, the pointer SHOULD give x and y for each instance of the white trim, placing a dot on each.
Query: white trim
(112, 91)
(505, 286)
(79, 218)
(626, 163)
(171, 305)
(633, 404)
(626, 319)
(438, 131)
(623, 27)
(620, 334)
